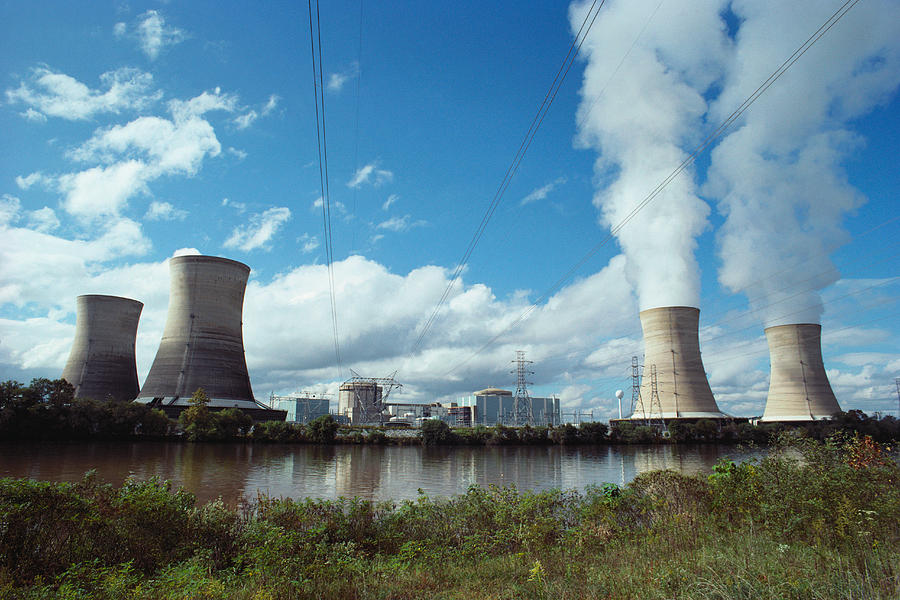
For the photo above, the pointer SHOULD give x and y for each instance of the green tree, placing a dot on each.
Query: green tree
(197, 420)
(434, 432)
(322, 430)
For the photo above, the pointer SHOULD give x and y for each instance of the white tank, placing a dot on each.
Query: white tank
(672, 345)
(101, 363)
(798, 386)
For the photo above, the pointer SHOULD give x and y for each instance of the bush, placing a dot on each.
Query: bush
(434, 432)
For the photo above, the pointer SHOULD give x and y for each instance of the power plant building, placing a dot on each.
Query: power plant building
(202, 344)
(493, 406)
(361, 402)
(798, 386)
(674, 383)
(301, 409)
(101, 363)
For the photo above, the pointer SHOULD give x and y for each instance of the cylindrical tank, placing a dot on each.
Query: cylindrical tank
(672, 349)
(798, 386)
(101, 363)
(202, 344)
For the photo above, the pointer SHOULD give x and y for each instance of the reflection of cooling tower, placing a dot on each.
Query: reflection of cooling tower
(202, 345)
(101, 364)
(798, 386)
(672, 344)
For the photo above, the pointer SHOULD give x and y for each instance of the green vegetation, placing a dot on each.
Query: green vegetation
(46, 410)
(820, 521)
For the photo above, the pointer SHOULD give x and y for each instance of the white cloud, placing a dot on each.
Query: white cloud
(245, 120)
(30, 180)
(240, 207)
(370, 174)
(260, 229)
(399, 224)
(542, 192)
(308, 243)
(154, 35)
(43, 220)
(10, 206)
(33, 115)
(271, 104)
(120, 29)
(59, 95)
(390, 201)
(102, 191)
(164, 211)
(239, 154)
(337, 80)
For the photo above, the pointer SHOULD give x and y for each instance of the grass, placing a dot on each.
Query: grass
(821, 522)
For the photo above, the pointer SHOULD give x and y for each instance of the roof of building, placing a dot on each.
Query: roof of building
(493, 392)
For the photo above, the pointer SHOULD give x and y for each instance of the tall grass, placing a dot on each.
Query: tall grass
(821, 521)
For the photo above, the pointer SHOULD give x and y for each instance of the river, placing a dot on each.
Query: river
(235, 471)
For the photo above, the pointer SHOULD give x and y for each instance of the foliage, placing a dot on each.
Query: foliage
(434, 432)
(811, 520)
(322, 430)
(46, 410)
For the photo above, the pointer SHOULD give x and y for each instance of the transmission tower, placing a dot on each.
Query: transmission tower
(636, 386)
(370, 394)
(523, 413)
(655, 419)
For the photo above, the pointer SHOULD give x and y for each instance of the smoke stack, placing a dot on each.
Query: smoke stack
(202, 344)
(798, 386)
(101, 363)
(672, 349)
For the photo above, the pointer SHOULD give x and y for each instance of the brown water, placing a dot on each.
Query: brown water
(233, 471)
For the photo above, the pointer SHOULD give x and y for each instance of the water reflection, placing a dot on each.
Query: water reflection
(233, 471)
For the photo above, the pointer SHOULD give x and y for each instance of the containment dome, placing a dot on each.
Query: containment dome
(798, 386)
(202, 344)
(101, 364)
(672, 350)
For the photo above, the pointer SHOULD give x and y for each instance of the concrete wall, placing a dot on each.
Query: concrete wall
(202, 344)
(101, 363)
(672, 343)
(798, 386)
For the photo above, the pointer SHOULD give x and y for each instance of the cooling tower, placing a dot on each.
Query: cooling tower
(672, 349)
(798, 386)
(202, 344)
(101, 363)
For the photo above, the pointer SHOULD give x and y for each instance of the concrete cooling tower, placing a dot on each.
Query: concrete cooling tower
(672, 349)
(101, 363)
(202, 344)
(798, 386)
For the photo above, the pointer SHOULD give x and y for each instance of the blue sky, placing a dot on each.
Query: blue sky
(135, 131)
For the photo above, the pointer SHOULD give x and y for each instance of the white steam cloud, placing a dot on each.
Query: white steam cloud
(641, 119)
(779, 178)
(662, 76)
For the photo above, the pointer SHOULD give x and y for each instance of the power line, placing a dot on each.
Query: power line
(718, 132)
(315, 41)
(567, 63)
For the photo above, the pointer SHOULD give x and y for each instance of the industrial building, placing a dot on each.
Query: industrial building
(303, 408)
(798, 386)
(202, 344)
(674, 383)
(493, 406)
(101, 363)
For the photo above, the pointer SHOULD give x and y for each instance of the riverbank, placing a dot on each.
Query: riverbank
(826, 526)
(46, 411)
